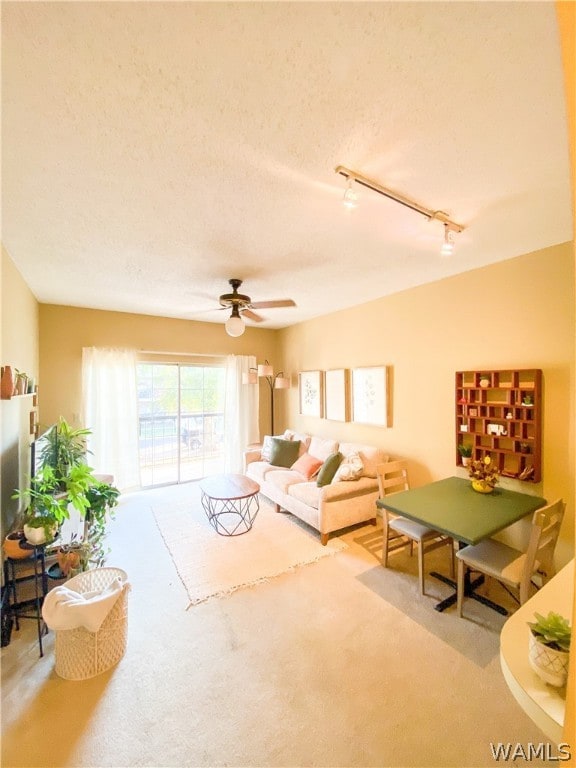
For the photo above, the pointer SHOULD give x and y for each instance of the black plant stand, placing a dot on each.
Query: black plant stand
(14, 609)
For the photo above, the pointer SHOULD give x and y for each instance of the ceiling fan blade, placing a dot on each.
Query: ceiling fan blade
(251, 315)
(270, 304)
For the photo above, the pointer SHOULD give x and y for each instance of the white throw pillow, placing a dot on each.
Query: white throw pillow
(350, 469)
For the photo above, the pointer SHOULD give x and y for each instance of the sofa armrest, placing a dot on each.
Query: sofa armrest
(252, 453)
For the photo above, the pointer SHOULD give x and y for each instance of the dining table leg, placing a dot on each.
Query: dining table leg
(470, 587)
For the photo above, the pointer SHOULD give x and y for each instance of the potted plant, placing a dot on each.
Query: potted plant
(484, 475)
(465, 452)
(46, 507)
(65, 447)
(549, 647)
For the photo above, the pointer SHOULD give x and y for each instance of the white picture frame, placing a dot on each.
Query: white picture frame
(336, 396)
(310, 393)
(370, 395)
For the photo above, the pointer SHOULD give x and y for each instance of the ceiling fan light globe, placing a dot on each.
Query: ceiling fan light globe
(235, 326)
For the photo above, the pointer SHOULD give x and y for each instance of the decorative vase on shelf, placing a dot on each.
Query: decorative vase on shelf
(480, 486)
(7, 383)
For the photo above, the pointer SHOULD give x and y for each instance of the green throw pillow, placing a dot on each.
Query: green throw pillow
(328, 469)
(284, 452)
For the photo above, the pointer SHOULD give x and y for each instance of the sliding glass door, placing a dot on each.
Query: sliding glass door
(181, 417)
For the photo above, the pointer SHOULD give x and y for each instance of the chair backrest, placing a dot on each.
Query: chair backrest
(546, 523)
(392, 478)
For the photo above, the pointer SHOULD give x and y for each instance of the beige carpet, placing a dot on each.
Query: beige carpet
(211, 565)
(340, 663)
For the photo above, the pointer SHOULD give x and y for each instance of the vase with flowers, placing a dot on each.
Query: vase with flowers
(484, 475)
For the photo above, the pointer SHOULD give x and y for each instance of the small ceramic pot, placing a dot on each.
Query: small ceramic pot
(549, 664)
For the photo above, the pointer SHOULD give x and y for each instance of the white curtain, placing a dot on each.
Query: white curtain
(240, 411)
(110, 410)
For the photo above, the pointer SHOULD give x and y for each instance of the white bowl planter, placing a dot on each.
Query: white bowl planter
(549, 664)
(37, 536)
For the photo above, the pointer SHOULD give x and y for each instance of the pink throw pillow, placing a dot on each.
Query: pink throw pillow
(307, 465)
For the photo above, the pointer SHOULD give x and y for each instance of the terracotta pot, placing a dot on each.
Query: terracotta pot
(12, 546)
(7, 383)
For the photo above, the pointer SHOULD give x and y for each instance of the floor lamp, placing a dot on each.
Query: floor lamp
(275, 381)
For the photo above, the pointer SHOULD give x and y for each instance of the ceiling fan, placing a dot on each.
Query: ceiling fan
(243, 306)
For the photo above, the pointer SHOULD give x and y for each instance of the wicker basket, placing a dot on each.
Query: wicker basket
(81, 654)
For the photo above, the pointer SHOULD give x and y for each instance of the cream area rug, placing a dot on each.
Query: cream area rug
(210, 565)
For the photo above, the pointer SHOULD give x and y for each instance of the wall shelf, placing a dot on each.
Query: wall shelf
(499, 414)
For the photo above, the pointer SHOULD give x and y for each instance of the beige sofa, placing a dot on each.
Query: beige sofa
(328, 508)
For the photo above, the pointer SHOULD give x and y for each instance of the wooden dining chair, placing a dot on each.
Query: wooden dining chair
(513, 567)
(400, 532)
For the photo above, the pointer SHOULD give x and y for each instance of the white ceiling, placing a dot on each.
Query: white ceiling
(151, 151)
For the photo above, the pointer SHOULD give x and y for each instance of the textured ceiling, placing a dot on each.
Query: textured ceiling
(151, 151)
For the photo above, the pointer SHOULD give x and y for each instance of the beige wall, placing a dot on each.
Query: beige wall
(19, 320)
(515, 314)
(19, 349)
(65, 330)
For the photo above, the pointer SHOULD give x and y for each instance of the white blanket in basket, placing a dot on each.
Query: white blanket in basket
(65, 609)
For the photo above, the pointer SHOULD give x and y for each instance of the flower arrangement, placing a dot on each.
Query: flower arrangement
(484, 472)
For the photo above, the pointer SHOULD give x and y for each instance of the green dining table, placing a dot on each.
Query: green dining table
(453, 507)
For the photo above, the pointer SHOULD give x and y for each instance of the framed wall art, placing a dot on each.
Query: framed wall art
(336, 395)
(310, 391)
(370, 395)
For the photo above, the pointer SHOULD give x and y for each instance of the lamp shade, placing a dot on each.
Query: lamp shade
(235, 326)
(282, 382)
(265, 370)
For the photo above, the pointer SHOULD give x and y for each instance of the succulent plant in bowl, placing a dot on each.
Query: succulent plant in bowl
(549, 648)
(552, 630)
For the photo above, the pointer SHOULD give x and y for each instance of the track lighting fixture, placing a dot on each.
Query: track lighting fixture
(350, 199)
(449, 239)
(451, 228)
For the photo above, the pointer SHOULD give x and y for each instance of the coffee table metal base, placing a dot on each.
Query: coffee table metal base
(231, 503)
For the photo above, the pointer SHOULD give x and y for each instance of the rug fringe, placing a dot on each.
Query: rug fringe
(230, 590)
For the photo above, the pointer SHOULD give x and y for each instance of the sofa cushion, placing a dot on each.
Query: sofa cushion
(307, 465)
(351, 468)
(321, 448)
(328, 469)
(283, 479)
(257, 470)
(306, 493)
(284, 452)
(266, 450)
(369, 455)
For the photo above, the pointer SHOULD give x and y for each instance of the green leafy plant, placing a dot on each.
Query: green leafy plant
(484, 470)
(43, 498)
(552, 630)
(465, 450)
(102, 500)
(65, 447)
